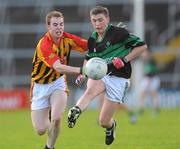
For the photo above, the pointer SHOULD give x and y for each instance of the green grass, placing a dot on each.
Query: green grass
(161, 132)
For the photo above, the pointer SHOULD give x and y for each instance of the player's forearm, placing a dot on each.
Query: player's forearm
(136, 52)
(68, 69)
(65, 69)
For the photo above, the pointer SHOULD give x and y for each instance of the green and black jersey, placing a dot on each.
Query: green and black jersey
(150, 68)
(117, 42)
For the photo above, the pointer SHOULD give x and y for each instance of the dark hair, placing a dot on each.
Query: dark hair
(99, 10)
(53, 14)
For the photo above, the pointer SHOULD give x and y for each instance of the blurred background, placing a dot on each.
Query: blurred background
(22, 23)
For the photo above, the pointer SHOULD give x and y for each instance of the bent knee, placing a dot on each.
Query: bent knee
(41, 131)
(56, 122)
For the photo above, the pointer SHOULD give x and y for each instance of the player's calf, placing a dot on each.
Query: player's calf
(73, 115)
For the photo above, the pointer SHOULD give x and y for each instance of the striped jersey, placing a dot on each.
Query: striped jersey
(116, 42)
(47, 52)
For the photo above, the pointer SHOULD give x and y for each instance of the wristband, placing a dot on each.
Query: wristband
(124, 60)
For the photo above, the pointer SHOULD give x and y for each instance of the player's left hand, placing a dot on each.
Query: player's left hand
(80, 79)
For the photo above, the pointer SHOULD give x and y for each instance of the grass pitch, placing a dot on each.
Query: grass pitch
(161, 132)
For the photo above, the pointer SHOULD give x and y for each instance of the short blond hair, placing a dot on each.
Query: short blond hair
(53, 14)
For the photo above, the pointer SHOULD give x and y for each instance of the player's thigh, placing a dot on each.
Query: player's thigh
(58, 101)
(95, 87)
(40, 118)
(107, 111)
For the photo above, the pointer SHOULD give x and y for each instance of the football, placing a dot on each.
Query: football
(96, 68)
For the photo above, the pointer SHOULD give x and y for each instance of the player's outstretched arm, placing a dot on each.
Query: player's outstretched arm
(136, 52)
(65, 69)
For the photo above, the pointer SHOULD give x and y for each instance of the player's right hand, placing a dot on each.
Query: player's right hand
(118, 63)
(80, 79)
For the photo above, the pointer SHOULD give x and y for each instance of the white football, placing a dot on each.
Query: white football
(96, 68)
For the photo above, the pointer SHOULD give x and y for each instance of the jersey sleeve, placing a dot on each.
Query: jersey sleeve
(77, 43)
(45, 52)
(134, 41)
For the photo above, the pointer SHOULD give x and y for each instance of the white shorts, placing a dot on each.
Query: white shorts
(41, 93)
(150, 83)
(116, 88)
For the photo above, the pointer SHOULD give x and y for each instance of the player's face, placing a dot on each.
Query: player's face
(99, 23)
(56, 27)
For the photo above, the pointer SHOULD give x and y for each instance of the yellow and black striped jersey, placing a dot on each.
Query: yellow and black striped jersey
(47, 52)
